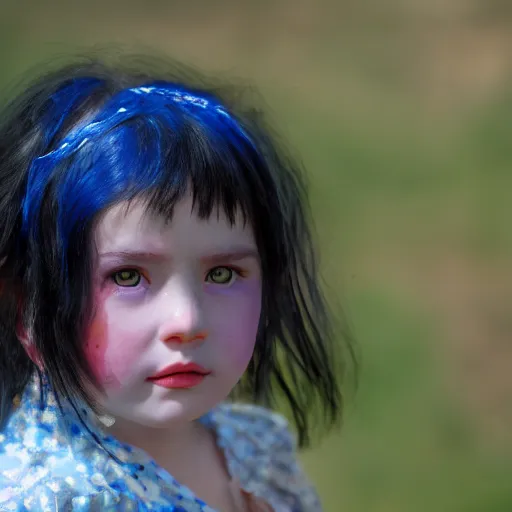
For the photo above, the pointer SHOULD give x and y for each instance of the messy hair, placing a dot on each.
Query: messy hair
(93, 134)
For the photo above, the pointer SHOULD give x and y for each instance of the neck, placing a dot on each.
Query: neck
(164, 445)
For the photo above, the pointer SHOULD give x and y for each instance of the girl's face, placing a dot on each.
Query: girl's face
(165, 295)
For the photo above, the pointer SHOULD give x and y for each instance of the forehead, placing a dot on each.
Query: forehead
(127, 225)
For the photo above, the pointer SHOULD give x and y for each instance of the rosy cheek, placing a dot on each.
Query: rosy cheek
(96, 345)
(112, 348)
(241, 326)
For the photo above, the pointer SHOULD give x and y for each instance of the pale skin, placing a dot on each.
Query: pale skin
(188, 290)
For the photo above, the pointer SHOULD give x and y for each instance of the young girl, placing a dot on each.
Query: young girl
(155, 260)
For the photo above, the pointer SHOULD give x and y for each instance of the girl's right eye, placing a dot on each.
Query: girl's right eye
(127, 278)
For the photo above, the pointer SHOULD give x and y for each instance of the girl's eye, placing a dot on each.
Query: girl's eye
(127, 278)
(221, 275)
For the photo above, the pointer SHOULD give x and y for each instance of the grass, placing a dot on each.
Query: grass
(403, 446)
(406, 446)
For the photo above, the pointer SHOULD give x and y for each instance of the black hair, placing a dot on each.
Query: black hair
(45, 254)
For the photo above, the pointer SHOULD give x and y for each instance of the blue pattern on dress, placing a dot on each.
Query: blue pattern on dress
(50, 461)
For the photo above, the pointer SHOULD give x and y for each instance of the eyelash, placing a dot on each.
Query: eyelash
(237, 271)
(112, 276)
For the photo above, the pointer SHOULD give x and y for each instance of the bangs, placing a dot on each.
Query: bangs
(158, 159)
(145, 146)
(219, 168)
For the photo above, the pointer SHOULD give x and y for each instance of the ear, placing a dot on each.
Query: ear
(25, 337)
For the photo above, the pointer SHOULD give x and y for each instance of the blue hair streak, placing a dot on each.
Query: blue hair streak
(150, 141)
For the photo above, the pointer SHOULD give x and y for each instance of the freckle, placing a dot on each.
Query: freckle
(97, 346)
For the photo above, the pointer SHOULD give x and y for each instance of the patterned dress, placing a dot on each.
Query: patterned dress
(51, 461)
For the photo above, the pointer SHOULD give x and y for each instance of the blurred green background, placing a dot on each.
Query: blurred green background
(401, 111)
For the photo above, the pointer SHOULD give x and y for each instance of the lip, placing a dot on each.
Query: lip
(179, 375)
(179, 368)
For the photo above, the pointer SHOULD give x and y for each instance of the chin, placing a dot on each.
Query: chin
(167, 413)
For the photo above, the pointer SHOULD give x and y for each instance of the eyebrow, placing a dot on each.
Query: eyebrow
(133, 255)
(241, 253)
(234, 254)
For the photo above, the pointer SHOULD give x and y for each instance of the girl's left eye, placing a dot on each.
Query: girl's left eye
(127, 278)
(221, 275)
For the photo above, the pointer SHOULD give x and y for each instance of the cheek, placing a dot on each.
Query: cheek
(96, 345)
(111, 353)
(237, 320)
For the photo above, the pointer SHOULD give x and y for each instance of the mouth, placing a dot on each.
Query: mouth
(180, 376)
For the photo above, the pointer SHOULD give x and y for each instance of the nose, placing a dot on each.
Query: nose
(182, 318)
(181, 337)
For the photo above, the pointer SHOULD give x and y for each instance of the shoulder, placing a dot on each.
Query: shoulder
(40, 480)
(260, 426)
(49, 461)
(33, 487)
(262, 454)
